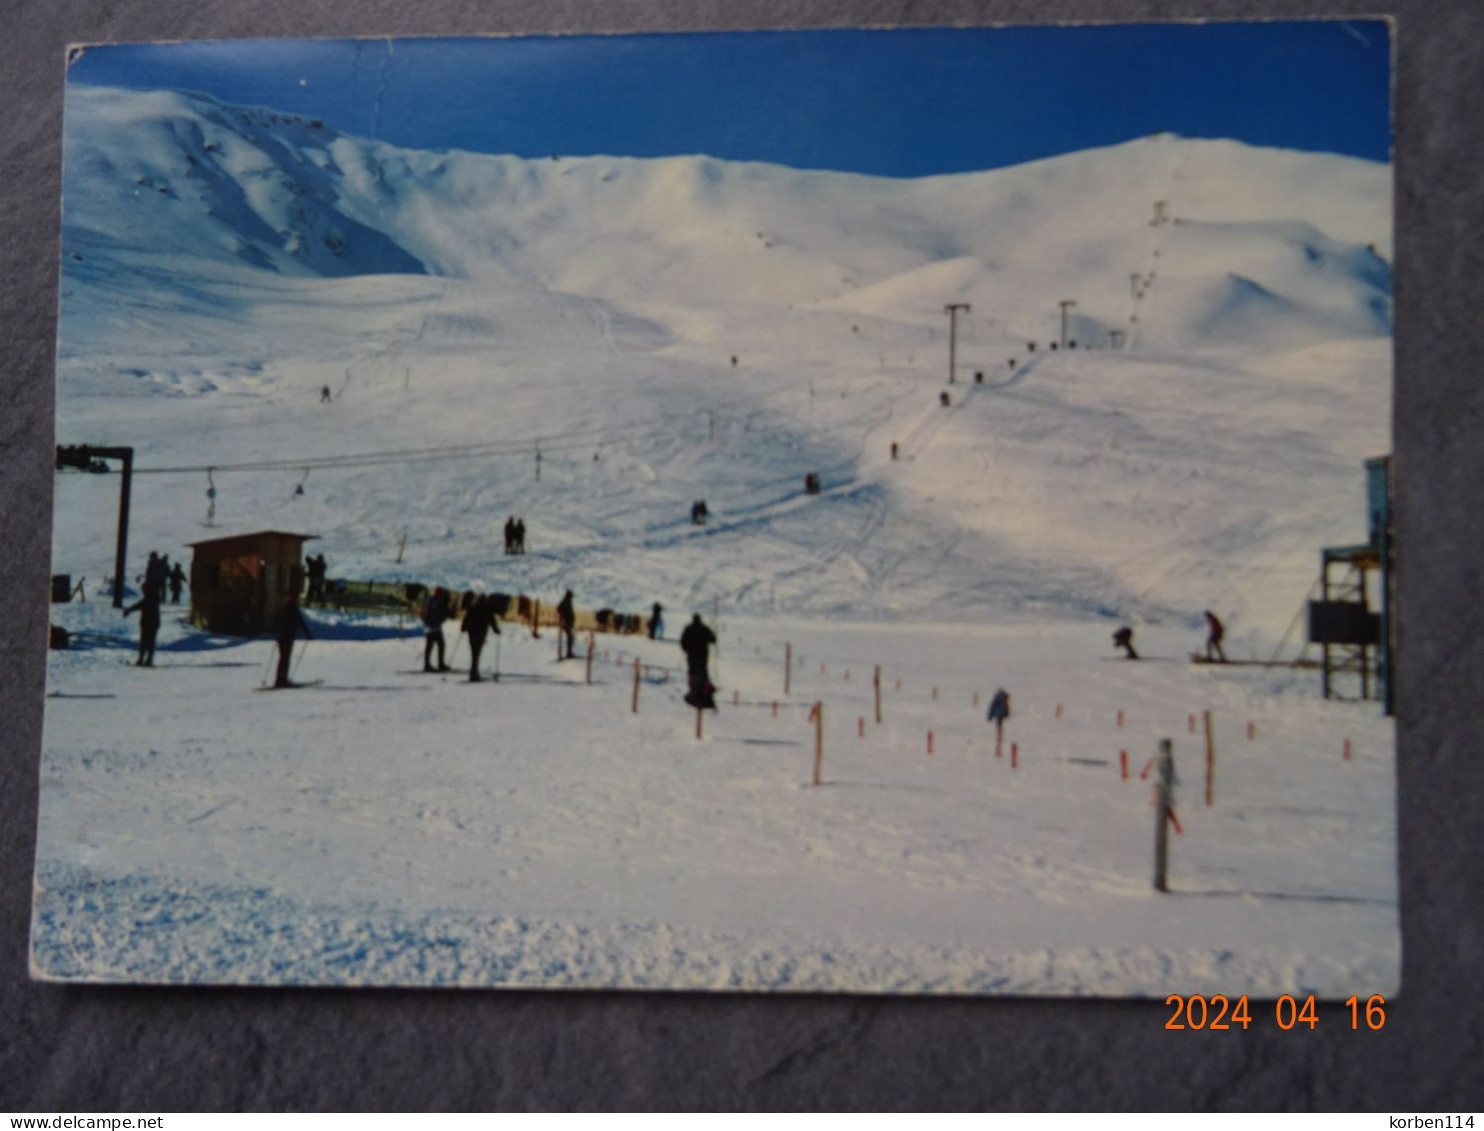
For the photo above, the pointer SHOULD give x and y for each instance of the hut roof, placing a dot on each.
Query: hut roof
(253, 534)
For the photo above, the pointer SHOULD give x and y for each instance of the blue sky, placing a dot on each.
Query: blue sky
(894, 103)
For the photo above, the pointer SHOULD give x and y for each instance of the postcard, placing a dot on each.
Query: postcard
(876, 511)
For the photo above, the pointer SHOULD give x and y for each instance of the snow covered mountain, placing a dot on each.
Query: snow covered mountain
(689, 327)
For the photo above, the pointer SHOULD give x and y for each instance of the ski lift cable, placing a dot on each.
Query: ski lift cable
(561, 441)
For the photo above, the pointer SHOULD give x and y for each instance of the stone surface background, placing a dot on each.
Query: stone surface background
(78, 1049)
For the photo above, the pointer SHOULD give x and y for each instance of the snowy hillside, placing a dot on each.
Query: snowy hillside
(595, 343)
(221, 264)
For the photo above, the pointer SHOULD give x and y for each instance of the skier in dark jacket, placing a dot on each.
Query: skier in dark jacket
(479, 621)
(177, 579)
(288, 622)
(657, 622)
(1214, 633)
(436, 612)
(566, 623)
(999, 711)
(1124, 638)
(696, 642)
(148, 607)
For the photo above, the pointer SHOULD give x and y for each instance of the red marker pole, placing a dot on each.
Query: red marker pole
(1347, 750)
(878, 694)
(1015, 755)
(1210, 761)
(1163, 809)
(816, 716)
(1123, 764)
(860, 727)
(930, 742)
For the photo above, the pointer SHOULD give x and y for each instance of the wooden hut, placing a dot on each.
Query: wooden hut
(237, 583)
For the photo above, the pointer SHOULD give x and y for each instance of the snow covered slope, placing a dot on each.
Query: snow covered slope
(221, 264)
(594, 344)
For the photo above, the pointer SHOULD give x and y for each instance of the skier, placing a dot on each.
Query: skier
(696, 643)
(520, 536)
(1124, 638)
(478, 622)
(999, 711)
(1214, 633)
(148, 607)
(324, 394)
(156, 573)
(177, 579)
(510, 535)
(288, 623)
(314, 571)
(434, 614)
(566, 622)
(657, 622)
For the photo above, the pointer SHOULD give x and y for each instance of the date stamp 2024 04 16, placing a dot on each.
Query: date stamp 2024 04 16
(1196, 1011)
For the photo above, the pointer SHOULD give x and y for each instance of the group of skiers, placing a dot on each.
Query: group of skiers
(1215, 632)
(159, 575)
(515, 535)
(480, 618)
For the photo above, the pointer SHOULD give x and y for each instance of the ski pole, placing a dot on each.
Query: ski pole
(263, 679)
(497, 659)
(298, 658)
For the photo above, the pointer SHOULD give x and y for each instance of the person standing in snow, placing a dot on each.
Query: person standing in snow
(1124, 638)
(479, 621)
(148, 608)
(1214, 633)
(696, 642)
(156, 573)
(566, 623)
(657, 622)
(436, 612)
(999, 711)
(177, 579)
(288, 622)
(510, 535)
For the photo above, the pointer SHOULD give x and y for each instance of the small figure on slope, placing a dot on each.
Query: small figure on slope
(999, 711)
(148, 607)
(566, 623)
(288, 622)
(177, 579)
(434, 614)
(657, 622)
(1214, 633)
(1124, 638)
(479, 621)
(696, 642)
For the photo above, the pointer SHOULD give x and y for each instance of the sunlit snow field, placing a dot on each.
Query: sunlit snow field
(219, 268)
